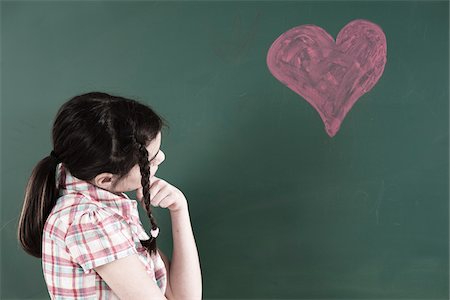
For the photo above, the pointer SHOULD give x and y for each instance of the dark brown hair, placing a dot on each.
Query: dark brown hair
(92, 133)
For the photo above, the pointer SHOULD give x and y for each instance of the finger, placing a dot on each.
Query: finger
(166, 202)
(154, 190)
(157, 178)
(156, 187)
(164, 192)
(157, 199)
(157, 181)
(140, 194)
(154, 178)
(155, 184)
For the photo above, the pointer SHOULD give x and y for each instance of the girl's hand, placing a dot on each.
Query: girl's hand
(164, 195)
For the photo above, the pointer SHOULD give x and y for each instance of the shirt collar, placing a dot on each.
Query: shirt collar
(69, 184)
(120, 204)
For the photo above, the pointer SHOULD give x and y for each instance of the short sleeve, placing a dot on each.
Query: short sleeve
(98, 237)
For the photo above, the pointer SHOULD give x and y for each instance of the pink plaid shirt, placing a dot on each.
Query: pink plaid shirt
(89, 227)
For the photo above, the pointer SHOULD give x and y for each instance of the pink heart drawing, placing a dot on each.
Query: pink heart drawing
(330, 76)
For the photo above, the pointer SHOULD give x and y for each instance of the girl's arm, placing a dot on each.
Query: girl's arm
(129, 280)
(184, 274)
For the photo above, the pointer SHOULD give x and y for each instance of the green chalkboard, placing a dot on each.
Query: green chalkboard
(279, 209)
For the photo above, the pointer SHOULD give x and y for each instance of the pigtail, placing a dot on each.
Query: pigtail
(144, 166)
(40, 198)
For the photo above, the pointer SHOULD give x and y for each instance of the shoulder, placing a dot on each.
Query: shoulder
(69, 210)
(72, 207)
(98, 236)
(78, 211)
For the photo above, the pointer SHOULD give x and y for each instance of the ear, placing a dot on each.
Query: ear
(104, 180)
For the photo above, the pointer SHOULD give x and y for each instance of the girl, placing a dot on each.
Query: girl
(77, 218)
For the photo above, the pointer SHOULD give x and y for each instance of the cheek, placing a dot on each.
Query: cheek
(137, 176)
(134, 179)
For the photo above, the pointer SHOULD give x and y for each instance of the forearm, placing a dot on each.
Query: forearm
(185, 275)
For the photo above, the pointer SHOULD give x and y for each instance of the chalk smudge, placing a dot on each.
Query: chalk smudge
(330, 75)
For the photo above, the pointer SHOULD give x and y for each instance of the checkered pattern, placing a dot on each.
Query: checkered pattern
(89, 227)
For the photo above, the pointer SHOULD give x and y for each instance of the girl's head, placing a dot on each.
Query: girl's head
(109, 141)
(133, 180)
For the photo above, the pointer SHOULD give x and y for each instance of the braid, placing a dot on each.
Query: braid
(144, 166)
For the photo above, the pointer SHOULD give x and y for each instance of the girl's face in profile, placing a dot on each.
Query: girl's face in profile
(132, 181)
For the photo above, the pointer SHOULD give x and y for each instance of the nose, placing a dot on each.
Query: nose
(159, 158)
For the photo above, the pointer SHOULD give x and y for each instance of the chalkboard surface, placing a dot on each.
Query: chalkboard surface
(280, 210)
